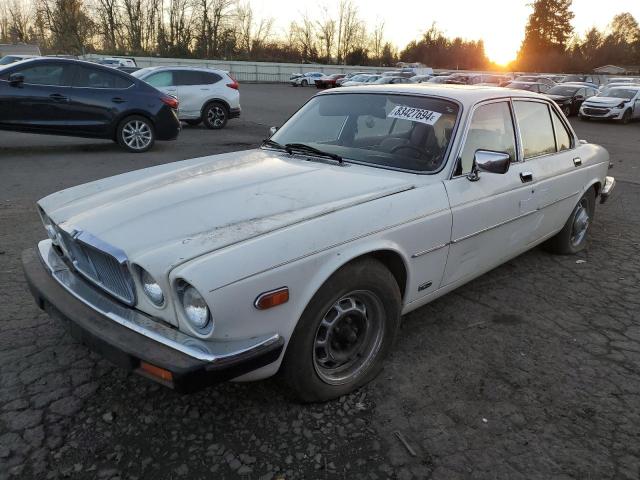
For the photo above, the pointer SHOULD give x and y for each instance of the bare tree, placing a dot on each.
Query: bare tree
(215, 17)
(377, 40)
(109, 18)
(251, 33)
(327, 32)
(69, 27)
(350, 29)
(304, 37)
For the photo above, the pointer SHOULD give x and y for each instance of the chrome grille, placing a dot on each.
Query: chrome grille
(88, 256)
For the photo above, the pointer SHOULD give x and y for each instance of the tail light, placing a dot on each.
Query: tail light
(235, 85)
(171, 101)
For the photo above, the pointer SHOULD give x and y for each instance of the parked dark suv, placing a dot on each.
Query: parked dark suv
(82, 99)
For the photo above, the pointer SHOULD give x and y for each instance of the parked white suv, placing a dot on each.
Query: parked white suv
(204, 94)
(305, 79)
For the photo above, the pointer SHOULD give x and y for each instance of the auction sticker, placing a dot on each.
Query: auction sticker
(414, 114)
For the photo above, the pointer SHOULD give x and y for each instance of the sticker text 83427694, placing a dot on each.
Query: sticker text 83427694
(414, 114)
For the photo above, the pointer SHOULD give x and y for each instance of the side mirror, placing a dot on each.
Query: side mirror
(489, 161)
(272, 131)
(16, 79)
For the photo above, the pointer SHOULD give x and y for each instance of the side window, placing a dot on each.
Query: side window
(48, 74)
(210, 78)
(491, 129)
(563, 139)
(536, 130)
(98, 78)
(189, 77)
(160, 79)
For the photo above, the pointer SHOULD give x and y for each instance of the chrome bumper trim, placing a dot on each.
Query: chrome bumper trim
(609, 185)
(207, 351)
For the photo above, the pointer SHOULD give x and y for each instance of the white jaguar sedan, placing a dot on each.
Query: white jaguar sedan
(298, 258)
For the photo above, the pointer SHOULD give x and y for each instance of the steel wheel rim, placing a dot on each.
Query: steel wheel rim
(580, 223)
(137, 134)
(216, 116)
(348, 337)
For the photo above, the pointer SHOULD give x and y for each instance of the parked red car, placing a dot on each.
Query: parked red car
(329, 81)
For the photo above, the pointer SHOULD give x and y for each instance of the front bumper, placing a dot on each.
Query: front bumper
(607, 113)
(133, 340)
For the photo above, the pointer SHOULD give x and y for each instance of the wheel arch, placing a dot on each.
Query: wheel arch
(214, 100)
(130, 113)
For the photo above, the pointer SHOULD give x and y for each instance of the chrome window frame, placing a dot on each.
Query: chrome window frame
(550, 106)
(467, 127)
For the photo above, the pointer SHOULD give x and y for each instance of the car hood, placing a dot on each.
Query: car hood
(178, 211)
(605, 101)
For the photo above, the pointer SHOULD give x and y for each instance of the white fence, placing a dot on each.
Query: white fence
(250, 71)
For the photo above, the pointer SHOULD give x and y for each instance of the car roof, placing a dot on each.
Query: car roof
(465, 94)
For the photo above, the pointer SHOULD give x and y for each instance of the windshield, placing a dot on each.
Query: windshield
(625, 93)
(395, 131)
(566, 91)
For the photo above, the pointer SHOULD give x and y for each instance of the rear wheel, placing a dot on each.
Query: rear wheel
(136, 134)
(215, 116)
(573, 236)
(304, 83)
(344, 334)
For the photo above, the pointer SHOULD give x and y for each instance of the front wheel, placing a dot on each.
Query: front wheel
(573, 236)
(215, 116)
(136, 134)
(344, 334)
(626, 117)
(304, 83)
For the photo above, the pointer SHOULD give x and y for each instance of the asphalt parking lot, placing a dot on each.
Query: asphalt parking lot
(532, 371)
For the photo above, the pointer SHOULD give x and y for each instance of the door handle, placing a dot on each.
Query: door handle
(118, 100)
(56, 97)
(577, 161)
(526, 177)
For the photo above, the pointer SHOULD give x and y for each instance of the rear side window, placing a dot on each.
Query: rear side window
(491, 129)
(536, 129)
(209, 78)
(98, 78)
(189, 77)
(160, 79)
(563, 138)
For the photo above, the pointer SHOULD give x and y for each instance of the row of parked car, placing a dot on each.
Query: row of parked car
(582, 95)
(63, 96)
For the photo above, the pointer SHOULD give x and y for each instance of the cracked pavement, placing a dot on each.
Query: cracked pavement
(531, 371)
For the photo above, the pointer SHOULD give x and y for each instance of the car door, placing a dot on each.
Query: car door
(192, 91)
(492, 216)
(41, 102)
(552, 161)
(99, 96)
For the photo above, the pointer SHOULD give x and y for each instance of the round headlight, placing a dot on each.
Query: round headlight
(195, 308)
(151, 288)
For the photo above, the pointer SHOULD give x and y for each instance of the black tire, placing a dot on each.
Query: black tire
(361, 294)
(193, 123)
(215, 115)
(566, 110)
(136, 134)
(626, 117)
(304, 83)
(568, 241)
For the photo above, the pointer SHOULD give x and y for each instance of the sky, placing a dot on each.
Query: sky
(500, 23)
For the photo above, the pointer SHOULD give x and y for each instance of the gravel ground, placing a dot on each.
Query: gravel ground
(531, 371)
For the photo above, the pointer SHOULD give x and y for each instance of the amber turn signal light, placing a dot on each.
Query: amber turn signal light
(272, 298)
(156, 372)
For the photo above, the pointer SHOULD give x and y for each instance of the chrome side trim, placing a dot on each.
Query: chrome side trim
(207, 351)
(474, 234)
(458, 240)
(432, 249)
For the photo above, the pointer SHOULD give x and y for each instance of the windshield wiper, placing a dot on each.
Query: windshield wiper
(272, 143)
(303, 147)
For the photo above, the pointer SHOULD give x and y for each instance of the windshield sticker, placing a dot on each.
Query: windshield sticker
(414, 114)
